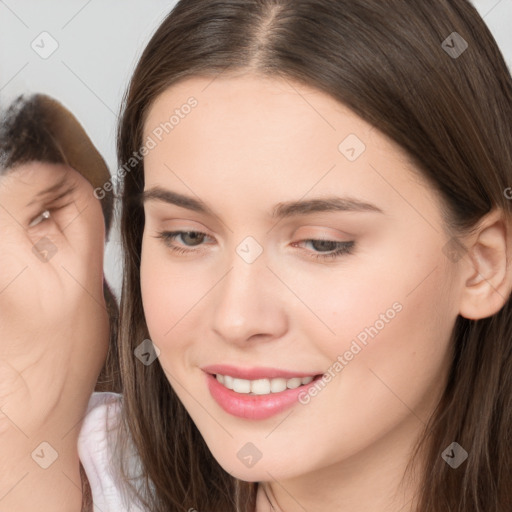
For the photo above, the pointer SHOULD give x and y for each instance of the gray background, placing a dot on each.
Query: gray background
(99, 42)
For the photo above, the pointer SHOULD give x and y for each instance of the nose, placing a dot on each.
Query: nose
(249, 303)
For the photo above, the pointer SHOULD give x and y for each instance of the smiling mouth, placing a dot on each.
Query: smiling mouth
(262, 386)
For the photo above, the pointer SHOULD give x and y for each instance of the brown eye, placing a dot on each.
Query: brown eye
(194, 236)
(324, 245)
(329, 249)
(189, 239)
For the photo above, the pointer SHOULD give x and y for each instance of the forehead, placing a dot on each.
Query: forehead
(254, 116)
(256, 139)
(259, 105)
(32, 176)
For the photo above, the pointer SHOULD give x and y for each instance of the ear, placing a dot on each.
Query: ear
(487, 272)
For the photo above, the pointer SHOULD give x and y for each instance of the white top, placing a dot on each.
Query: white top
(95, 449)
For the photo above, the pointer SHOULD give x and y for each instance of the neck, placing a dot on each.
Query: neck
(39, 467)
(369, 481)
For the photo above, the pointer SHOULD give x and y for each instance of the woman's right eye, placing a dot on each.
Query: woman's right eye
(195, 237)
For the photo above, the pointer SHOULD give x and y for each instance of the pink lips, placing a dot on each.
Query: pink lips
(253, 407)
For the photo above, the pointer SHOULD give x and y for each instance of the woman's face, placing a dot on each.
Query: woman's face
(266, 180)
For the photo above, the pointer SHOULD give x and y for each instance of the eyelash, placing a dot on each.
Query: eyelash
(344, 247)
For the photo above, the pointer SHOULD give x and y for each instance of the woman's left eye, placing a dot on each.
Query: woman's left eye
(325, 248)
(330, 249)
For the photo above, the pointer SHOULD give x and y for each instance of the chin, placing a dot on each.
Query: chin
(254, 474)
(242, 461)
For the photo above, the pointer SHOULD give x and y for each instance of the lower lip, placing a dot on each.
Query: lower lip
(254, 407)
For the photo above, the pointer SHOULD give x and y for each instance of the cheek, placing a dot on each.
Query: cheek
(89, 240)
(155, 299)
(168, 294)
(343, 302)
(96, 226)
(394, 343)
(395, 314)
(389, 288)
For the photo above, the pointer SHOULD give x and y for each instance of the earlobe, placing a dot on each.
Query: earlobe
(488, 272)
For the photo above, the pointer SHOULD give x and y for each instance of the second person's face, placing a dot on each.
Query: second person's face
(54, 327)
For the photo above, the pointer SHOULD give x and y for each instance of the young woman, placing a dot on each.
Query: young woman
(54, 303)
(317, 233)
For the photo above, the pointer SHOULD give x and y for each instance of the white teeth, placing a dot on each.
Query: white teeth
(241, 385)
(261, 386)
(293, 383)
(228, 381)
(277, 385)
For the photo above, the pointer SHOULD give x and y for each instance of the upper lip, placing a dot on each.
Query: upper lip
(254, 373)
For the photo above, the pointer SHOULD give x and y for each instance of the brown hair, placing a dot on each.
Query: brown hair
(452, 114)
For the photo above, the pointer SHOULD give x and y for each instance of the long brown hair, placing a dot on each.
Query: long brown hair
(398, 66)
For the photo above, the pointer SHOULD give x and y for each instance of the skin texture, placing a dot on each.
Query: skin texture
(250, 144)
(54, 329)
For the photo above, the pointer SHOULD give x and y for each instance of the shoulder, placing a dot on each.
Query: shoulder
(96, 447)
(100, 423)
(103, 412)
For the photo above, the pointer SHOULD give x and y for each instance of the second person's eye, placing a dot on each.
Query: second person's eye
(40, 218)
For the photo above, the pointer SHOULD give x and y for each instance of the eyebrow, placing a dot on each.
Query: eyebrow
(52, 190)
(280, 210)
